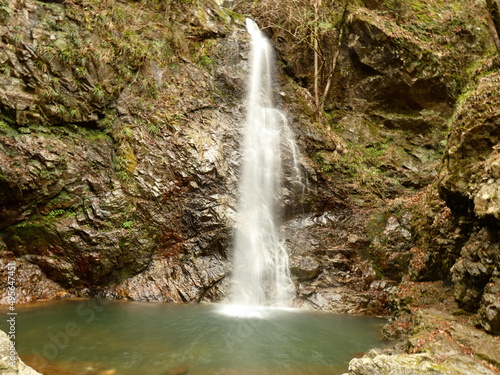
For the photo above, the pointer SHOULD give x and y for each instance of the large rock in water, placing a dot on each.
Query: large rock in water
(10, 363)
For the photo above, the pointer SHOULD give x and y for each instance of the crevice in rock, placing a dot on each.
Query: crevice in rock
(207, 288)
(459, 205)
(364, 69)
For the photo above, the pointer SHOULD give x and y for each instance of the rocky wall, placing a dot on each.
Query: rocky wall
(112, 159)
(120, 149)
(469, 185)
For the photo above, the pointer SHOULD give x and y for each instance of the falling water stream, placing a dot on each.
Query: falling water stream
(261, 274)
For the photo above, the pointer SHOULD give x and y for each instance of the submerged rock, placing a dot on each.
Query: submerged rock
(53, 367)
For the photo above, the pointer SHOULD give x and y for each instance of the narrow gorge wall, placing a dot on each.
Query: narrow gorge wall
(469, 185)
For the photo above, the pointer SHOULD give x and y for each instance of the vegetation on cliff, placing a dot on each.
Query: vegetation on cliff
(103, 110)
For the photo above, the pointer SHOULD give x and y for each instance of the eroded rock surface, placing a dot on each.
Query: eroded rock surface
(110, 163)
(469, 185)
(439, 344)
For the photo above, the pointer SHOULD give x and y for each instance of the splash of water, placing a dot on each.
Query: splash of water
(261, 274)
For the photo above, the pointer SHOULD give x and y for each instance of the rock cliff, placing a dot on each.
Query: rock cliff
(114, 149)
(469, 185)
(120, 142)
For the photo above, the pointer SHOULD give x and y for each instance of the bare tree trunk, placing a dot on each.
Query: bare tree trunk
(335, 56)
(494, 23)
(317, 4)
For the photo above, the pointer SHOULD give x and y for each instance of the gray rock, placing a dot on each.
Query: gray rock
(10, 363)
(304, 268)
(489, 312)
(436, 346)
(474, 269)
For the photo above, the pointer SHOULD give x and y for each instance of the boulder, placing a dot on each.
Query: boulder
(304, 268)
(10, 363)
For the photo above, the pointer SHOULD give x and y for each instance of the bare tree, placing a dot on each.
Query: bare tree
(315, 29)
(494, 24)
(323, 36)
(329, 77)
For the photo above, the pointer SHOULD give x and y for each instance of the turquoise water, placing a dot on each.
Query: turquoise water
(154, 338)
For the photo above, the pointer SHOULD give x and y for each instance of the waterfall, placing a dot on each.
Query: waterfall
(261, 274)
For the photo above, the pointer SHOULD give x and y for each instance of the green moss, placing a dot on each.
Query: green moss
(378, 272)
(128, 225)
(206, 61)
(153, 129)
(125, 160)
(464, 96)
(126, 36)
(57, 212)
(6, 129)
(60, 213)
(32, 232)
(98, 92)
(62, 202)
(5, 70)
(123, 244)
(5, 11)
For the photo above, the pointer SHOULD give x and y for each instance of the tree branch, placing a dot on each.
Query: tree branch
(336, 55)
(494, 21)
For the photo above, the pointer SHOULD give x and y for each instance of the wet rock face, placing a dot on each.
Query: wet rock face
(100, 180)
(331, 267)
(489, 311)
(475, 278)
(391, 247)
(86, 226)
(474, 268)
(41, 86)
(304, 268)
(394, 75)
(469, 182)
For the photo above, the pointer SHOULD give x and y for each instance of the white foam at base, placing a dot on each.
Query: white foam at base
(252, 311)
